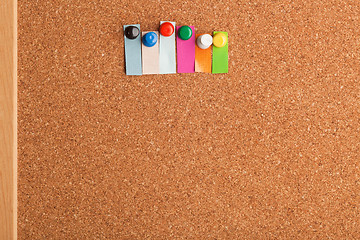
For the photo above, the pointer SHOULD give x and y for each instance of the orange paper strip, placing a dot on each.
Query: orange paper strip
(202, 58)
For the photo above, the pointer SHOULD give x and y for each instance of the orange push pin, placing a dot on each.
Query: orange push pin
(219, 40)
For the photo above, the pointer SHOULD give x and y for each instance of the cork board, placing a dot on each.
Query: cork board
(268, 151)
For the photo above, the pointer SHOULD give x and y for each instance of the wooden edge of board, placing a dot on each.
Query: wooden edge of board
(8, 119)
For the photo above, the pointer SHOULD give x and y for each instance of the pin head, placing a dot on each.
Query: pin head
(185, 32)
(166, 29)
(219, 40)
(150, 39)
(204, 41)
(132, 32)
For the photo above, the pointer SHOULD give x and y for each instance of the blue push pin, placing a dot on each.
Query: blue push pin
(150, 39)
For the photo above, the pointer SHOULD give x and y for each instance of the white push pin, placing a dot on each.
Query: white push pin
(204, 41)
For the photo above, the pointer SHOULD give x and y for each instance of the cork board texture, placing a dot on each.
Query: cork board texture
(268, 151)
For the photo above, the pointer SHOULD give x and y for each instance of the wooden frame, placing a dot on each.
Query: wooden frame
(8, 119)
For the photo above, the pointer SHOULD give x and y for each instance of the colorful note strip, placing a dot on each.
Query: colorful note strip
(150, 52)
(185, 50)
(167, 58)
(132, 43)
(203, 56)
(220, 52)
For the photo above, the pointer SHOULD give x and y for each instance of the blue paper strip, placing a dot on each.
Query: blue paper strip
(133, 53)
(167, 57)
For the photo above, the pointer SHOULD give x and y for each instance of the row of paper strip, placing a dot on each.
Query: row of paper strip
(156, 53)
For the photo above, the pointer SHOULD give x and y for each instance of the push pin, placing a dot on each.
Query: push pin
(150, 39)
(132, 32)
(166, 29)
(219, 40)
(185, 33)
(204, 41)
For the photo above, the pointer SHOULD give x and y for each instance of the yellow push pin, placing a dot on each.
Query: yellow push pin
(219, 40)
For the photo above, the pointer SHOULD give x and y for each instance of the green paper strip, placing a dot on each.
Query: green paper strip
(220, 58)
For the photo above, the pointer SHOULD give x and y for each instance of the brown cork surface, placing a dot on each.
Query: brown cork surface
(268, 151)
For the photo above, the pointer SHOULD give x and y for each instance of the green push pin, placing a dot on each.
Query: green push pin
(185, 33)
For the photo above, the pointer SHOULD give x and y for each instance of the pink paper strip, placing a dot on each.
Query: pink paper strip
(185, 53)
